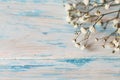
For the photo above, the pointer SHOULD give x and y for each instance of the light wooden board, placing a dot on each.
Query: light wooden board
(35, 44)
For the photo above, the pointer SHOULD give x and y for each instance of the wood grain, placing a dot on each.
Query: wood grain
(35, 44)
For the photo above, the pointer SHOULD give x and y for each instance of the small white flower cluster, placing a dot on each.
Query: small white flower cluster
(75, 16)
(82, 47)
(115, 44)
(89, 29)
(117, 1)
(116, 23)
(88, 12)
(114, 1)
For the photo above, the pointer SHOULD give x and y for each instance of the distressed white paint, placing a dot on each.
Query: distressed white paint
(35, 44)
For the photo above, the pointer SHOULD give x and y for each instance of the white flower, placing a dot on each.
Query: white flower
(115, 42)
(73, 22)
(86, 2)
(87, 15)
(83, 30)
(95, 4)
(98, 13)
(117, 1)
(116, 49)
(74, 5)
(116, 25)
(78, 13)
(115, 21)
(111, 45)
(81, 20)
(75, 26)
(92, 29)
(118, 31)
(68, 13)
(77, 45)
(68, 6)
(68, 19)
(100, 23)
(96, 39)
(74, 40)
(83, 47)
(107, 6)
(102, 1)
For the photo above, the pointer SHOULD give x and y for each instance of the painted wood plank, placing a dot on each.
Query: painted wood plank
(35, 44)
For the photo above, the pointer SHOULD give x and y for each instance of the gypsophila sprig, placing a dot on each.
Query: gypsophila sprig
(88, 16)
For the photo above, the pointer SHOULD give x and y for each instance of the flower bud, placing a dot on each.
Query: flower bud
(95, 4)
(68, 19)
(118, 31)
(74, 5)
(81, 20)
(115, 41)
(107, 6)
(76, 25)
(102, 1)
(111, 45)
(116, 49)
(74, 40)
(77, 45)
(115, 21)
(117, 44)
(113, 51)
(83, 47)
(96, 39)
(92, 29)
(68, 6)
(103, 46)
(100, 22)
(78, 13)
(98, 13)
(83, 30)
(86, 2)
(117, 1)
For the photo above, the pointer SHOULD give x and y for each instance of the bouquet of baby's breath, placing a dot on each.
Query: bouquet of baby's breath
(91, 17)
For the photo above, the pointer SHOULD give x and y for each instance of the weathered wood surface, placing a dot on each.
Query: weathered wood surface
(35, 44)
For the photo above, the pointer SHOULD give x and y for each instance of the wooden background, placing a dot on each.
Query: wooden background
(35, 44)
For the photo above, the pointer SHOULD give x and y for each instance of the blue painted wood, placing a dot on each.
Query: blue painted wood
(35, 44)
